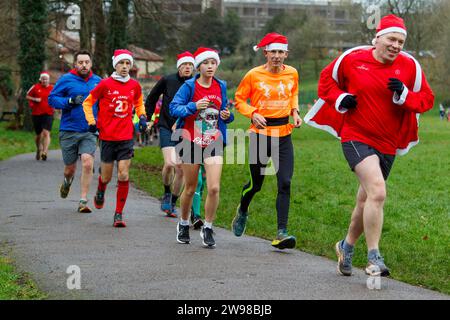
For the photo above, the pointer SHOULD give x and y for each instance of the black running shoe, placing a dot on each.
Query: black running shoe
(99, 199)
(207, 236)
(284, 241)
(118, 221)
(198, 223)
(183, 233)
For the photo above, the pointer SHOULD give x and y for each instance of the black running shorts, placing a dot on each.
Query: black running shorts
(41, 122)
(355, 152)
(116, 150)
(191, 153)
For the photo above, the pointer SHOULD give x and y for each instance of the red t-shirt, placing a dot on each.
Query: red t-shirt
(39, 91)
(115, 115)
(202, 128)
(375, 121)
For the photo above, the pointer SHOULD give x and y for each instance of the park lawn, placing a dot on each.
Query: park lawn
(15, 285)
(416, 236)
(14, 142)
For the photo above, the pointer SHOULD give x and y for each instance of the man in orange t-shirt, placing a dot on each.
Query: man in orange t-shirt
(41, 114)
(273, 92)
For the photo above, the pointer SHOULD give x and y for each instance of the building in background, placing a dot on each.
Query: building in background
(182, 11)
(62, 47)
(255, 14)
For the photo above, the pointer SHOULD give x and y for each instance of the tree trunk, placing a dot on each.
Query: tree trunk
(32, 34)
(86, 8)
(118, 22)
(101, 55)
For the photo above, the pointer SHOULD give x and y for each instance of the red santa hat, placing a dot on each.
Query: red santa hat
(273, 41)
(44, 74)
(122, 54)
(390, 23)
(185, 57)
(205, 53)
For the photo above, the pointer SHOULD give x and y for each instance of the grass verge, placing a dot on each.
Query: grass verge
(416, 235)
(15, 285)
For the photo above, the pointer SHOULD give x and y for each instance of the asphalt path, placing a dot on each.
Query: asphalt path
(54, 243)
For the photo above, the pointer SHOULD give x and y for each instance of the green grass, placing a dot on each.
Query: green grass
(14, 142)
(15, 285)
(416, 235)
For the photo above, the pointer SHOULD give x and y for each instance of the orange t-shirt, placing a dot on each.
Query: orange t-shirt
(273, 95)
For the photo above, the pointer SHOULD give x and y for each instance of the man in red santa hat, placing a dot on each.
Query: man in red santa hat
(370, 97)
(118, 95)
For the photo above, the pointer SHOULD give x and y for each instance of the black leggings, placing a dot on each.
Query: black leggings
(282, 153)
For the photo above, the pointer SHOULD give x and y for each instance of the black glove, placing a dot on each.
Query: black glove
(396, 85)
(142, 123)
(76, 100)
(92, 128)
(349, 102)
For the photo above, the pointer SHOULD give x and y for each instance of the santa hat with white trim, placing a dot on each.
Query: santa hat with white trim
(185, 57)
(205, 53)
(122, 54)
(272, 41)
(44, 74)
(390, 23)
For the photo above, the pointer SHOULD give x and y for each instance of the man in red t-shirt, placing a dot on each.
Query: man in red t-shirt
(41, 114)
(381, 90)
(117, 96)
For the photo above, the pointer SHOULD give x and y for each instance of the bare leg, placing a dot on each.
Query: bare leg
(190, 172)
(87, 164)
(178, 180)
(107, 171)
(123, 169)
(372, 181)
(69, 171)
(45, 141)
(213, 170)
(356, 225)
(169, 165)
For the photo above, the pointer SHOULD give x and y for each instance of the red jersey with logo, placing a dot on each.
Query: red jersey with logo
(377, 120)
(115, 114)
(202, 128)
(42, 107)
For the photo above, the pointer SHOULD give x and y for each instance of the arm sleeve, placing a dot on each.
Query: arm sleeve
(243, 93)
(152, 98)
(181, 107)
(417, 102)
(31, 92)
(58, 98)
(89, 102)
(139, 102)
(87, 108)
(328, 89)
(294, 101)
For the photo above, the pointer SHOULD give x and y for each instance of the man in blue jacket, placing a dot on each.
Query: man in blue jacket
(74, 137)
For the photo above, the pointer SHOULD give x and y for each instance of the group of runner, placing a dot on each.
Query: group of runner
(369, 97)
